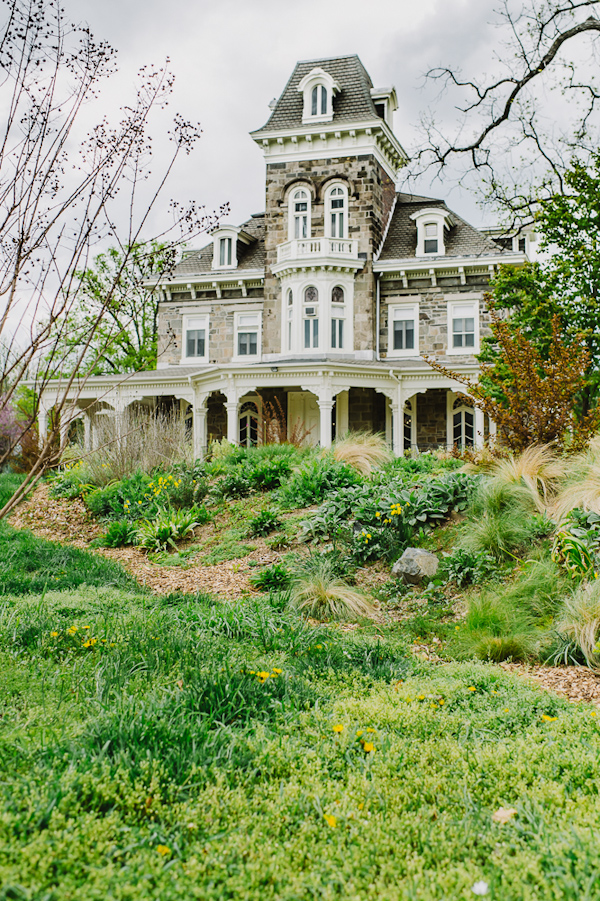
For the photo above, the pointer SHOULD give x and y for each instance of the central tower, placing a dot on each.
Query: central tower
(332, 161)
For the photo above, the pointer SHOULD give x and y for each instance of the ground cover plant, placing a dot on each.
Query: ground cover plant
(207, 750)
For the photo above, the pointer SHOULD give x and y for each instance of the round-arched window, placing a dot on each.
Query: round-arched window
(300, 214)
(248, 424)
(311, 295)
(337, 295)
(310, 318)
(337, 217)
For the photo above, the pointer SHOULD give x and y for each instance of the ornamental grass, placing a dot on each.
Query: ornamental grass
(580, 621)
(320, 593)
(365, 451)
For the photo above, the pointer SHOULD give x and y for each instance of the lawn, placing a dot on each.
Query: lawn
(187, 748)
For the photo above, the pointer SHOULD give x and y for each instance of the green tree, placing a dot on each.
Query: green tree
(125, 340)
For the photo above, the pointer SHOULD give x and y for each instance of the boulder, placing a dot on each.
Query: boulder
(414, 565)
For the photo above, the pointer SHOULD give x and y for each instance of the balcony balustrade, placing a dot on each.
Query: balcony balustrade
(303, 249)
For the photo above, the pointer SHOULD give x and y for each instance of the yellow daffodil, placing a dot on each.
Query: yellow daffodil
(330, 820)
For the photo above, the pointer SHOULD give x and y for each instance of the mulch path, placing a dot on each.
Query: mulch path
(69, 522)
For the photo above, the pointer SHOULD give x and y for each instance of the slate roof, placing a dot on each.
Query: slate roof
(250, 256)
(462, 240)
(352, 104)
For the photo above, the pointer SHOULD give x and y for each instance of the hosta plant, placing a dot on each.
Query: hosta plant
(168, 527)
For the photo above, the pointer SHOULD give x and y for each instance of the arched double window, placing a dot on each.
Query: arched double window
(463, 424)
(249, 424)
(336, 215)
(318, 100)
(299, 214)
(338, 318)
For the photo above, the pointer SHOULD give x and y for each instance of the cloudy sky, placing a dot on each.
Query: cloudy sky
(231, 57)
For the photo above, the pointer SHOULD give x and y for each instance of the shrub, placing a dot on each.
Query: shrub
(234, 484)
(185, 485)
(319, 593)
(264, 522)
(364, 451)
(466, 567)
(314, 479)
(70, 482)
(135, 497)
(267, 475)
(580, 621)
(272, 578)
(168, 527)
(119, 533)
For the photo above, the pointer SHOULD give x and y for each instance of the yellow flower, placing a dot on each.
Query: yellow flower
(359, 733)
(441, 701)
(72, 630)
(163, 850)
(86, 627)
(378, 514)
(368, 535)
(368, 747)
(370, 729)
(548, 719)
(339, 728)
(330, 820)
(471, 688)
(420, 697)
(277, 672)
(262, 676)
(54, 634)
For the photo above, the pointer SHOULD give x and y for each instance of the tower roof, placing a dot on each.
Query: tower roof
(353, 103)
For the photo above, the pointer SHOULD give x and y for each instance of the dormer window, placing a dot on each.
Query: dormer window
(319, 89)
(430, 242)
(227, 239)
(299, 214)
(225, 252)
(432, 225)
(319, 100)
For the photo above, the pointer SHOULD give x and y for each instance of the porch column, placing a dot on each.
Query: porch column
(479, 437)
(199, 426)
(325, 422)
(398, 428)
(493, 428)
(232, 421)
(87, 432)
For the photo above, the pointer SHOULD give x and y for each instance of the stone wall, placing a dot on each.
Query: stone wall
(433, 319)
(431, 419)
(366, 410)
(371, 194)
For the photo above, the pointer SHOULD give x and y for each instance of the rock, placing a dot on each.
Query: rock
(414, 565)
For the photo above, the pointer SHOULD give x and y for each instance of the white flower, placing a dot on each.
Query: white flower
(480, 888)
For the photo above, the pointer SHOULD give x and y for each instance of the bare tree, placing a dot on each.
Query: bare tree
(520, 126)
(62, 191)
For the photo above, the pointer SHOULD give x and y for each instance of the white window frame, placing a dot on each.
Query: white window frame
(224, 233)
(313, 348)
(329, 198)
(465, 306)
(316, 78)
(195, 322)
(399, 312)
(241, 326)
(292, 212)
(429, 216)
(338, 312)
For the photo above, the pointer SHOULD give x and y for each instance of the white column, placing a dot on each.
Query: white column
(397, 429)
(199, 426)
(232, 421)
(341, 413)
(325, 422)
(87, 432)
(479, 437)
(414, 445)
(42, 423)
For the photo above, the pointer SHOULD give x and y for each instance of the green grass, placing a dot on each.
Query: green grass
(155, 763)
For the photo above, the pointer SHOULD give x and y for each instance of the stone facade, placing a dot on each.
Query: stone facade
(431, 419)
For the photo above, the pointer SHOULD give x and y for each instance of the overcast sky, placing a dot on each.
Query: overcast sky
(231, 57)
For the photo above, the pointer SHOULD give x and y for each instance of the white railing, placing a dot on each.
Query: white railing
(343, 248)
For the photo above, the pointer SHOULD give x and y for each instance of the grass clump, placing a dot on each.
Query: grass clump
(276, 577)
(579, 622)
(538, 469)
(500, 520)
(319, 592)
(364, 451)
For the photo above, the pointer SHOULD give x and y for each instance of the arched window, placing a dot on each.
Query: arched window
(249, 424)
(299, 214)
(463, 424)
(338, 316)
(290, 317)
(310, 318)
(337, 212)
(319, 100)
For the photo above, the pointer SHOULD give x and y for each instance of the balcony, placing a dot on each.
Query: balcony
(318, 251)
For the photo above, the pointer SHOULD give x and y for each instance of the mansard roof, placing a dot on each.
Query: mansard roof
(462, 240)
(250, 256)
(353, 103)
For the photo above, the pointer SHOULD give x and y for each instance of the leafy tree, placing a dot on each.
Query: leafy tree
(126, 338)
(531, 398)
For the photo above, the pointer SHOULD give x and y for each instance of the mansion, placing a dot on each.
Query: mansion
(323, 306)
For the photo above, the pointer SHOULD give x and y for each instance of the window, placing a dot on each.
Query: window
(403, 330)
(430, 244)
(247, 330)
(196, 335)
(408, 429)
(318, 105)
(299, 214)
(338, 315)
(249, 424)
(290, 317)
(310, 323)
(463, 425)
(225, 254)
(336, 212)
(463, 328)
